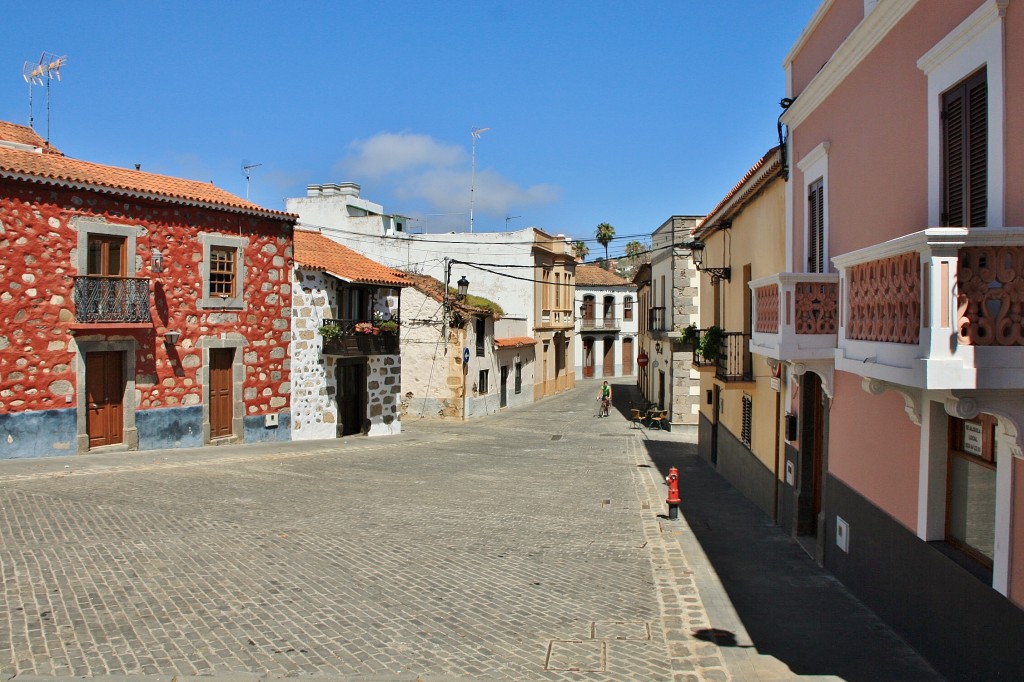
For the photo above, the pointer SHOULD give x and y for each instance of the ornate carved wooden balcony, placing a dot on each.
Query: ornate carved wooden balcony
(936, 309)
(352, 339)
(795, 316)
(100, 300)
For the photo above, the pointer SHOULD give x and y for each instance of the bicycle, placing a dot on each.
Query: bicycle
(605, 405)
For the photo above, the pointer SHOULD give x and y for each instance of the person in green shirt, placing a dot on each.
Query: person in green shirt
(605, 396)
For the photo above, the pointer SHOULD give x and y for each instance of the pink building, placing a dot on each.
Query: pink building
(904, 348)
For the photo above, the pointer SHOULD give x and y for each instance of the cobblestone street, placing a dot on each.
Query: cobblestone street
(527, 546)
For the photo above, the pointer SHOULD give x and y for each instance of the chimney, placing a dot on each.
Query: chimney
(330, 189)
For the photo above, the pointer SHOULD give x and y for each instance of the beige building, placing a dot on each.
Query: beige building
(554, 317)
(740, 415)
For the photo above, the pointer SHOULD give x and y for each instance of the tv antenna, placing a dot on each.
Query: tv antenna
(476, 133)
(40, 73)
(247, 171)
(508, 218)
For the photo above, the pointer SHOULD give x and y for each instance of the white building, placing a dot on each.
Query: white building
(507, 268)
(607, 324)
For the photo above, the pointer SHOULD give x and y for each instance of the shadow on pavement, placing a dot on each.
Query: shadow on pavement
(792, 609)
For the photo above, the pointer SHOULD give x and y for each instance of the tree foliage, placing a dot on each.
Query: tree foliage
(581, 250)
(605, 234)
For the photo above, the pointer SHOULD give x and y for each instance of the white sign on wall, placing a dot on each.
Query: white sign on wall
(972, 438)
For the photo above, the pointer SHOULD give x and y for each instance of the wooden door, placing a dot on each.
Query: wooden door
(104, 389)
(588, 357)
(504, 386)
(351, 382)
(627, 357)
(588, 311)
(221, 394)
(608, 370)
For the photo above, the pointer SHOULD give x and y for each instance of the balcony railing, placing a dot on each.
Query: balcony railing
(557, 319)
(732, 361)
(936, 309)
(796, 316)
(112, 299)
(354, 340)
(610, 323)
(657, 321)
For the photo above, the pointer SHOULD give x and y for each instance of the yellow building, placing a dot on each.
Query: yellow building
(553, 315)
(740, 429)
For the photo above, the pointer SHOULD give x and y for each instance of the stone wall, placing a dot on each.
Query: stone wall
(384, 391)
(314, 405)
(39, 358)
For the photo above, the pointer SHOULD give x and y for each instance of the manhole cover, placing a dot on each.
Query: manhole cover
(577, 655)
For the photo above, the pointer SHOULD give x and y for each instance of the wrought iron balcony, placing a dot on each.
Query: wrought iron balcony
(730, 359)
(935, 309)
(796, 316)
(600, 323)
(112, 299)
(358, 337)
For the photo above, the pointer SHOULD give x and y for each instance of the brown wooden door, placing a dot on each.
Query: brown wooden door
(627, 357)
(104, 395)
(608, 370)
(221, 398)
(588, 357)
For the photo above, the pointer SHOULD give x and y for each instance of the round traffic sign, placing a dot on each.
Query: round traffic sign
(641, 360)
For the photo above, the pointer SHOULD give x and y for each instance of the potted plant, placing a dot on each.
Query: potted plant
(331, 332)
(388, 327)
(690, 336)
(365, 328)
(710, 345)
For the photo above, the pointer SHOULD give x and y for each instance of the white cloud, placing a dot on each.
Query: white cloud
(389, 153)
(419, 169)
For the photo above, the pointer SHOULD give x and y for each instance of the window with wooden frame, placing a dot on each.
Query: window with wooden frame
(627, 308)
(107, 256)
(223, 280)
(816, 226)
(971, 488)
(964, 152)
(748, 417)
(482, 382)
(223, 271)
(558, 291)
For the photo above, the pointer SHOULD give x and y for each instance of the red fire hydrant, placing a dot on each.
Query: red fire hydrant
(673, 493)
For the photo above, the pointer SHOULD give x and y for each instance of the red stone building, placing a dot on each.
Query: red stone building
(137, 311)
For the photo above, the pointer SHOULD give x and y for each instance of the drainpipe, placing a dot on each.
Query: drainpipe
(778, 449)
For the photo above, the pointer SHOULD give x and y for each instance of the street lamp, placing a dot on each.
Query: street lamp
(463, 287)
(697, 253)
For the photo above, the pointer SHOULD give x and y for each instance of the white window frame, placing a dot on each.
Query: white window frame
(977, 42)
(814, 167)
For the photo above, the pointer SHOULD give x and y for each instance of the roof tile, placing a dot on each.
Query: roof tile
(591, 275)
(316, 252)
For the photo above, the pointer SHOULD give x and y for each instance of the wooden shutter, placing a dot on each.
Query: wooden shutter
(816, 226)
(965, 153)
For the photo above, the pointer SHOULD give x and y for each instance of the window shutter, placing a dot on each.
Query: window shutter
(965, 153)
(816, 228)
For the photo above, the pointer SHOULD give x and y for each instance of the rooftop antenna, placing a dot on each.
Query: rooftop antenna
(247, 171)
(508, 218)
(476, 133)
(40, 73)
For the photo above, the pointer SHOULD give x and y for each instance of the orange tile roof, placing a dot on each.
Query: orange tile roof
(316, 252)
(515, 341)
(591, 275)
(12, 132)
(57, 169)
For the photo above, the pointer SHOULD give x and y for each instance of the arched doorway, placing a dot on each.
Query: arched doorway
(588, 356)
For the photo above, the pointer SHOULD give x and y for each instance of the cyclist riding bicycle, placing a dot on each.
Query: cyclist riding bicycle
(605, 396)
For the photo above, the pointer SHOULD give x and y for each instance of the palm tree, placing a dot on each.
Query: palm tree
(605, 234)
(581, 250)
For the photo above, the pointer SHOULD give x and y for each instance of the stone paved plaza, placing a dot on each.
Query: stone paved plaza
(527, 546)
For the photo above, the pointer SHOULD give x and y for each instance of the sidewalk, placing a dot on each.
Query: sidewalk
(774, 614)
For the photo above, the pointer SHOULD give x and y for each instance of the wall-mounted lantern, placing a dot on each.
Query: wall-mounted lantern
(157, 261)
(171, 337)
(697, 253)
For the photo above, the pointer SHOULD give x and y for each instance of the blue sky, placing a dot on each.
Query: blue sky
(599, 111)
